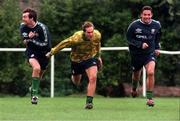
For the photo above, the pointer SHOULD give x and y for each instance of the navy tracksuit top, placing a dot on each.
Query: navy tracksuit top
(139, 32)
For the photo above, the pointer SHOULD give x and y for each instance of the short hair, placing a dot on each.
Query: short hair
(87, 24)
(146, 8)
(32, 13)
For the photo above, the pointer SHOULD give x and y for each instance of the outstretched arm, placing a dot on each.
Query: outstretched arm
(65, 43)
(59, 46)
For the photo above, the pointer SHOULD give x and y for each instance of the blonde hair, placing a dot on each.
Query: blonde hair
(87, 24)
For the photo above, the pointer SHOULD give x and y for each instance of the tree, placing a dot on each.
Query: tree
(13, 74)
(10, 21)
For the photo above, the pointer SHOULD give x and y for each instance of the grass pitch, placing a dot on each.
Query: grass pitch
(105, 109)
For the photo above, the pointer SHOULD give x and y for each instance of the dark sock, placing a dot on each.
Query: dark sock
(149, 94)
(89, 99)
(134, 84)
(35, 86)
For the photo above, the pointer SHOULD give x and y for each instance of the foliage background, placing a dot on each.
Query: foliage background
(63, 18)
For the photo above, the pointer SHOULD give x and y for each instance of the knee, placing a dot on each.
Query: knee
(136, 77)
(76, 80)
(150, 73)
(36, 70)
(92, 79)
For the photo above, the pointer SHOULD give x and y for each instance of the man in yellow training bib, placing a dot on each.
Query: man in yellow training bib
(85, 57)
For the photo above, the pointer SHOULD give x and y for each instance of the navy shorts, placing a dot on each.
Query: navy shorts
(138, 61)
(40, 57)
(79, 68)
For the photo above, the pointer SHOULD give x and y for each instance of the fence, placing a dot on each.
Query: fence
(103, 49)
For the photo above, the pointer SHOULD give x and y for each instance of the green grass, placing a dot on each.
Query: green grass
(105, 109)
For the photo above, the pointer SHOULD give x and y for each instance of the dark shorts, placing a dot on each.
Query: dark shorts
(79, 68)
(40, 57)
(138, 61)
